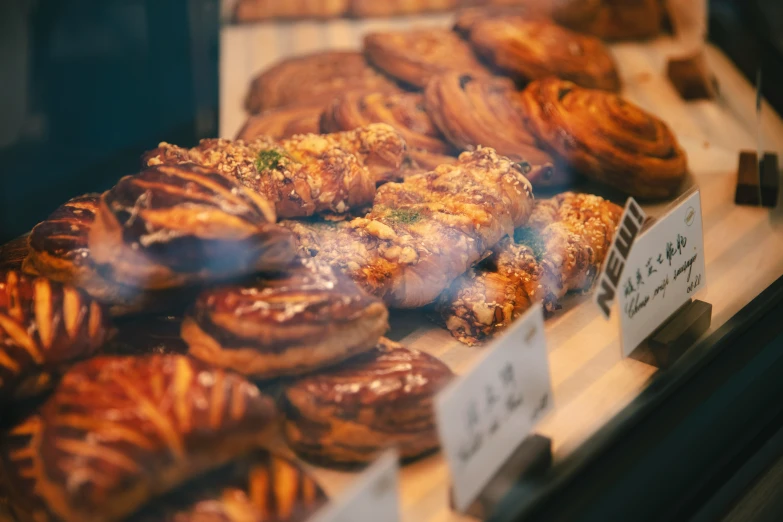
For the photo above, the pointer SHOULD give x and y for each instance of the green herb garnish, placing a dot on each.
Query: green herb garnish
(530, 238)
(404, 215)
(269, 159)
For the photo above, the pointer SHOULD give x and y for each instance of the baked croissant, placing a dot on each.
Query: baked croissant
(605, 137)
(382, 398)
(120, 431)
(44, 328)
(174, 225)
(282, 123)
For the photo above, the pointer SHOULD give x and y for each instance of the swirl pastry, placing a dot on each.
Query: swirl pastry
(257, 10)
(605, 137)
(560, 250)
(173, 225)
(379, 399)
(291, 323)
(44, 327)
(282, 123)
(415, 56)
(474, 112)
(119, 431)
(374, 8)
(255, 488)
(314, 79)
(13, 253)
(405, 112)
(530, 50)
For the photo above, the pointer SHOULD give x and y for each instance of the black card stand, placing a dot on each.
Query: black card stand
(758, 180)
(676, 335)
(533, 457)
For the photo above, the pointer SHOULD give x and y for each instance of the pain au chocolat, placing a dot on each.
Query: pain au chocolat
(175, 225)
(289, 323)
(605, 137)
(44, 328)
(120, 431)
(379, 399)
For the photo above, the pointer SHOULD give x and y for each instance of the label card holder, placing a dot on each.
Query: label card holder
(484, 416)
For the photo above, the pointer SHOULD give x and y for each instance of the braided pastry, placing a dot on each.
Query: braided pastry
(381, 398)
(405, 112)
(530, 50)
(605, 137)
(44, 327)
(282, 123)
(415, 56)
(376, 8)
(119, 431)
(257, 10)
(173, 225)
(295, 322)
(314, 79)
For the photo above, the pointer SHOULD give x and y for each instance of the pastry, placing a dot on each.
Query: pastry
(379, 399)
(258, 10)
(44, 328)
(415, 56)
(376, 8)
(474, 112)
(606, 138)
(119, 431)
(174, 225)
(13, 253)
(282, 123)
(314, 79)
(625, 20)
(533, 10)
(560, 250)
(424, 232)
(257, 487)
(405, 112)
(294, 322)
(530, 50)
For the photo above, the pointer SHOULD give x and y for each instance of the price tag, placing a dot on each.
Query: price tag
(374, 495)
(483, 416)
(664, 269)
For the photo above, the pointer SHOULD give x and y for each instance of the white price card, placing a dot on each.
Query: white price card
(484, 415)
(375, 495)
(662, 272)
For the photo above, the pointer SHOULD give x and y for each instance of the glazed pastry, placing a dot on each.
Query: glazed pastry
(282, 123)
(13, 253)
(375, 8)
(258, 10)
(474, 112)
(415, 56)
(626, 20)
(44, 328)
(119, 431)
(405, 112)
(254, 488)
(424, 232)
(147, 334)
(606, 138)
(530, 50)
(560, 250)
(174, 225)
(295, 322)
(379, 399)
(314, 79)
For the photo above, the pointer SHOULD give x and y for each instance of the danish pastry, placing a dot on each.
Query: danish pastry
(44, 328)
(530, 50)
(282, 123)
(119, 431)
(378, 399)
(294, 322)
(314, 79)
(415, 56)
(174, 225)
(605, 137)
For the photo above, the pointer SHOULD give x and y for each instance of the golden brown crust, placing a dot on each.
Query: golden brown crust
(530, 50)
(415, 56)
(119, 431)
(314, 79)
(258, 10)
(282, 123)
(405, 112)
(382, 398)
(606, 138)
(303, 319)
(44, 328)
(375, 8)
(174, 225)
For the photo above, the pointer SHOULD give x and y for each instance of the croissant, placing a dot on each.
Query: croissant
(119, 431)
(382, 398)
(44, 328)
(174, 225)
(282, 123)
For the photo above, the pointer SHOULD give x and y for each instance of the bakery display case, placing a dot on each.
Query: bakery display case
(371, 260)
